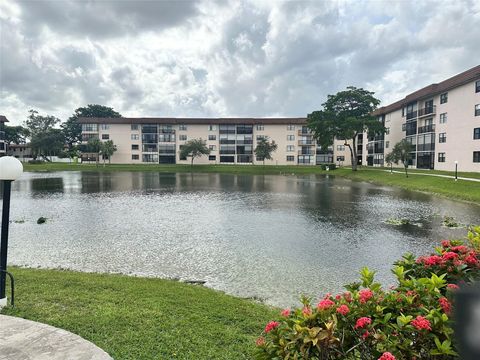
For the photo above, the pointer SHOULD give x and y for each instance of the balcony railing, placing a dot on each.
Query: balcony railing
(411, 115)
(306, 142)
(2, 135)
(430, 110)
(426, 129)
(303, 152)
(426, 147)
(304, 133)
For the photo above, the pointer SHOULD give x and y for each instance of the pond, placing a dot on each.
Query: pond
(268, 237)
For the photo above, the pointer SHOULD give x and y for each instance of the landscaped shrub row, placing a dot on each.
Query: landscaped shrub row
(412, 320)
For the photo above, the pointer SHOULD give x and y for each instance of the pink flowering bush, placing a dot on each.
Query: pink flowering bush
(410, 321)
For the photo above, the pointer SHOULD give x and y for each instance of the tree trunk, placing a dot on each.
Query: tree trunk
(103, 161)
(353, 152)
(191, 164)
(406, 172)
(97, 159)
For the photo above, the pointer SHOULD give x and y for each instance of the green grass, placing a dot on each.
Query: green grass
(141, 318)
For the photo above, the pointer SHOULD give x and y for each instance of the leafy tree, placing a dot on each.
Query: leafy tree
(73, 130)
(402, 151)
(194, 148)
(264, 149)
(108, 149)
(94, 145)
(345, 115)
(390, 160)
(37, 124)
(16, 134)
(47, 143)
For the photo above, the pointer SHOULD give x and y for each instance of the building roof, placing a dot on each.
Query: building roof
(193, 121)
(3, 118)
(433, 89)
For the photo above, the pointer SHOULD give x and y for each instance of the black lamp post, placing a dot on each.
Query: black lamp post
(456, 170)
(10, 170)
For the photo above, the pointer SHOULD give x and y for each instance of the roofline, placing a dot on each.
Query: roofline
(433, 89)
(3, 119)
(193, 121)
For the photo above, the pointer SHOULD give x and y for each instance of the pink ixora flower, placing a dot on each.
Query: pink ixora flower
(271, 325)
(365, 334)
(445, 305)
(362, 322)
(325, 304)
(452, 287)
(347, 296)
(306, 311)
(449, 255)
(365, 295)
(386, 356)
(343, 309)
(420, 323)
(446, 243)
(260, 341)
(460, 248)
(471, 259)
(285, 312)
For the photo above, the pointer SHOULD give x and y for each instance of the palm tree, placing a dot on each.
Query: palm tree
(402, 151)
(108, 149)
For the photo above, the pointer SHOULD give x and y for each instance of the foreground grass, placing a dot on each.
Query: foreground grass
(141, 318)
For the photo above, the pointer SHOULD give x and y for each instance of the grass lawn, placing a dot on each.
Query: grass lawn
(460, 190)
(141, 318)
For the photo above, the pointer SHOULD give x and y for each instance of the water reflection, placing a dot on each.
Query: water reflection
(271, 237)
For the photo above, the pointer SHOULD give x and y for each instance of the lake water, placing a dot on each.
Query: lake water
(268, 237)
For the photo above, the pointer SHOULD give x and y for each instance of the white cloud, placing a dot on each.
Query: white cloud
(209, 58)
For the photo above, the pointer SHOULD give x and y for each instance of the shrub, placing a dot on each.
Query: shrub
(36, 162)
(409, 321)
(330, 166)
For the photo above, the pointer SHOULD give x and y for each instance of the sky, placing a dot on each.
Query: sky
(225, 58)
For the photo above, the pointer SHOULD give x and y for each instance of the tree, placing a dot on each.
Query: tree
(108, 149)
(47, 143)
(345, 115)
(16, 134)
(37, 124)
(94, 145)
(402, 151)
(264, 149)
(389, 159)
(194, 148)
(73, 130)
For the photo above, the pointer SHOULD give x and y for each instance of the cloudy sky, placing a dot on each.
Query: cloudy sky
(220, 58)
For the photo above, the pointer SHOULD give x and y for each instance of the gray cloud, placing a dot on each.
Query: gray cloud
(208, 58)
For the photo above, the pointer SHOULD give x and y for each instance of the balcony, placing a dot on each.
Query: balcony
(306, 152)
(426, 129)
(427, 111)
(411, 115)
(2, 135)
(302, 132)
(306, 142)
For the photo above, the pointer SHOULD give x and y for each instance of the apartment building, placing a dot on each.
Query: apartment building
(3, 146)
(441, 121)
(231, 140)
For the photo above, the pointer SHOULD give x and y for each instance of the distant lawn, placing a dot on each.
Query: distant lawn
(462, 190)
(140, 318)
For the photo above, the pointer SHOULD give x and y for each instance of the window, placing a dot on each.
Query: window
(89, 127)
(387, 144)
(340, 158)
(290, 158)
(404, 127)
(476, 156)
(259, 158)
(104, 126)
(387, 130)
(135, 146)
(152, 158)
(477, 110)
(182, 127)
(290, 127)
(477, 86)
(212, 157)
(135, 136)
(134, 127)
(443, 118)
(212, 147)
(182, 137)
(441, 157)
(105, 137)
(290, 148)
(135, 157)
(443, 98)
(476, 134)
(212, 137)
(260, 127)
(290, 137)
(212, 128)
(340, 147)
(260, 137)
(442, 137)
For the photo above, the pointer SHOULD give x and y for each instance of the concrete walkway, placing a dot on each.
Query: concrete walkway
(437, 175)
(22, 339)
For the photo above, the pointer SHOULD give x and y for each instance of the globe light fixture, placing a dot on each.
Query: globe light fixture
(10, 170)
